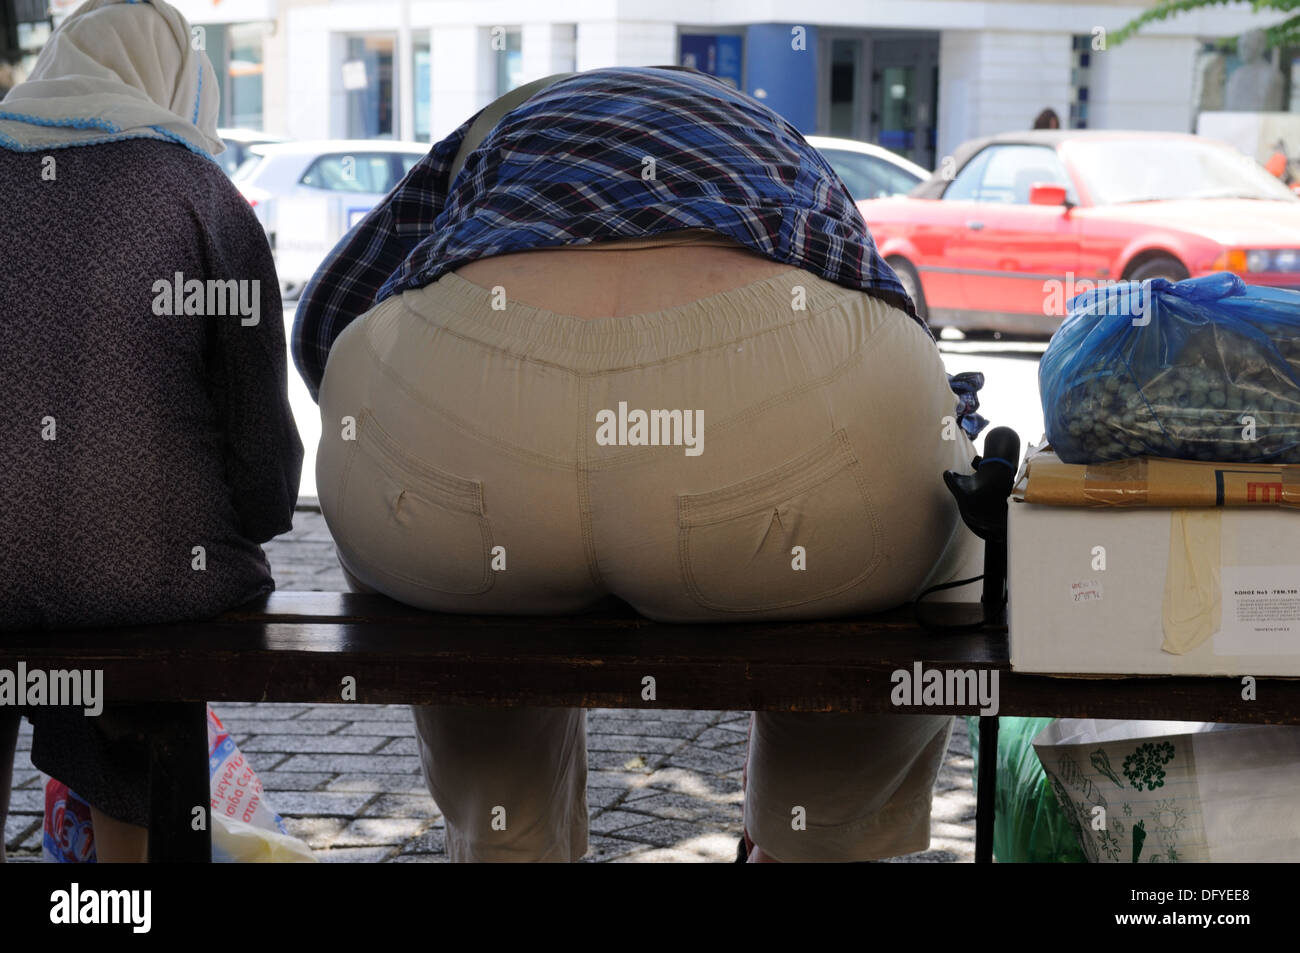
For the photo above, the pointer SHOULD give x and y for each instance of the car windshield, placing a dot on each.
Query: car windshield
(1150, 170)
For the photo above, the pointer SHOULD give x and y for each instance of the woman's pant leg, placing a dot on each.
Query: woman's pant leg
(842, 787)
(511, 783)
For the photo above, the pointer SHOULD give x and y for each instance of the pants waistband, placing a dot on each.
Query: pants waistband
(598, 344)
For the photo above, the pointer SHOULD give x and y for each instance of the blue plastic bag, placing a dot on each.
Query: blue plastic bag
(1203, 369)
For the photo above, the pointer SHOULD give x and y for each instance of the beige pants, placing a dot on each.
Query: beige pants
(770, 452)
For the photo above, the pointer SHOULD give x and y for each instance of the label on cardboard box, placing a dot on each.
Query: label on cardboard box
(1261, 611)
(1085, 590)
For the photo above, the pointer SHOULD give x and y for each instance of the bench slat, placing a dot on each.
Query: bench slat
(296, 647)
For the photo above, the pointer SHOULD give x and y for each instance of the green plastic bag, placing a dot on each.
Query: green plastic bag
(1030, 827)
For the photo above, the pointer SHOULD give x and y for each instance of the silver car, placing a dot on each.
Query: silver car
(308, 195)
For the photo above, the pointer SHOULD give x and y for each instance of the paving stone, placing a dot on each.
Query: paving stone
(939, 828)
(343, 763)
(351, 711)
(406, 746)
(642, 744)
(294, 780)
(601, 850)
(28, 801)
(624, 780)
(28, 779)
(262, 711)
(421, 859)
(952, 778)
(926, 857)
(18, 827)
(318, 803)
(692, 715)
(432, 841)
(311, 744)
(400, 805)
(389, 729)
(34, 838)
(630, 760)
(286, 726)
(657, 727)
(608, 821)
(352, 855)
(952, 807)
(705, 760)
(680, 807)
(664, 833)
(720, 737)
(316, 832)
(366, 831)
(683, 781)
(411, 783)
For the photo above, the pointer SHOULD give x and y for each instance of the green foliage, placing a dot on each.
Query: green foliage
(1286, 33)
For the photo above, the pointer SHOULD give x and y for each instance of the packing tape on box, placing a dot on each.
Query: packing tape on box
(1121, 483)
(1193, 600)
(1155, 481)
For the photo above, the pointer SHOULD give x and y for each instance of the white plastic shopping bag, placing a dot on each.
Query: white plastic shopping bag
(244, 827)
(1176, 792)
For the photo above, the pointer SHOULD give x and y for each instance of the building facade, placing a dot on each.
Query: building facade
(918, 76)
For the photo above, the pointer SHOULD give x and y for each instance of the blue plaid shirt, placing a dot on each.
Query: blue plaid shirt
(602, 155)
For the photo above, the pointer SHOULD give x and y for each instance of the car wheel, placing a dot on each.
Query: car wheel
(911, 283)
(1161, 266)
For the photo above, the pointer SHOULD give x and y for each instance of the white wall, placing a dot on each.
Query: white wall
(547, 48)
(312, 85)
(626, 43)
(1145, 83)
(992, 82)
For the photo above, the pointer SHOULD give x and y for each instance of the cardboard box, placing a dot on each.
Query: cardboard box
(1087, 589)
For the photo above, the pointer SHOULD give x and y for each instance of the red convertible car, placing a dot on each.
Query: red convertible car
(1013, 226)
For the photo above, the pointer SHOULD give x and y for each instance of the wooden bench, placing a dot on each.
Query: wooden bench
(299, 647)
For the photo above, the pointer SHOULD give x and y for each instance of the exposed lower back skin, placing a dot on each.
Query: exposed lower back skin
(589, 283)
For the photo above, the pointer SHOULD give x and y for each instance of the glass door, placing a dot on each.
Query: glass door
(904, 95)
(846, 107)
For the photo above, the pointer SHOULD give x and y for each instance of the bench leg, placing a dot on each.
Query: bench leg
(986, 793)
(178, 783)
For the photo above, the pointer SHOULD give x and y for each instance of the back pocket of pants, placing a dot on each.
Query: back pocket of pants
(413, 521)
(804, 531)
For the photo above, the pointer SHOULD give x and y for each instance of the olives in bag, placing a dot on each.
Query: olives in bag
(1202, 369)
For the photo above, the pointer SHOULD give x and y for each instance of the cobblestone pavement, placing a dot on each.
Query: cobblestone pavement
(663, 786)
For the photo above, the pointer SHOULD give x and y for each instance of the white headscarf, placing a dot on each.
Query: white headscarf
(115, 69)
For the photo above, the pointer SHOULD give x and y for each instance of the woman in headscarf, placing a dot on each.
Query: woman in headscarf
(625, 333)
(147, 443)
